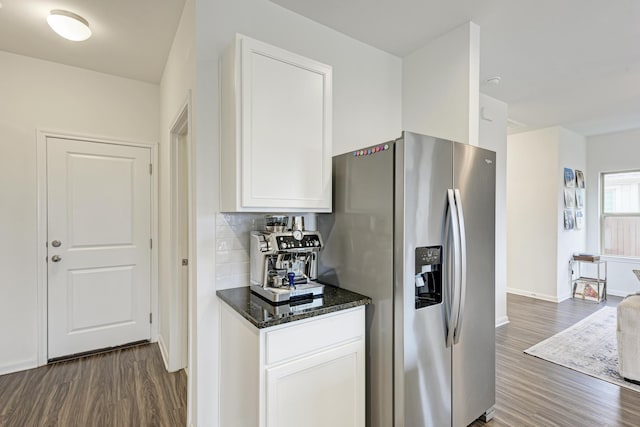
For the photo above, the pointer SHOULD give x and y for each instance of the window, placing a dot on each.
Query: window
(620, 214)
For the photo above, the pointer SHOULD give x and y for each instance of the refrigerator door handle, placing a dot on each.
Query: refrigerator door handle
(454, 282)
(463, 266)
(447, 272)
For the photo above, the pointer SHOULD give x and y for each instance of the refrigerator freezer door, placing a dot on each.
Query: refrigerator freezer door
(474, 353)
(422, 360)
(358, 256)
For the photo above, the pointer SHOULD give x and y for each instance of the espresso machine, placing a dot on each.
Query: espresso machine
(284, 262)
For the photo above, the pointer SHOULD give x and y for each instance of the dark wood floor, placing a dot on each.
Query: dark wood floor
(126, 387)
(534, 392)
(130, 387)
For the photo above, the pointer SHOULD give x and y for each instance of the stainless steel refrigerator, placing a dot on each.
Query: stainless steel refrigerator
(413, 228)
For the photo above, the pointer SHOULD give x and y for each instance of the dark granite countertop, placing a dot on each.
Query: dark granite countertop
(263, 314)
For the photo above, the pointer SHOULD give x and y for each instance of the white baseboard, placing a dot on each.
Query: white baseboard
(163, 352)
(564, 297)
(618, 293)
(544, 297)
(536, 295)
(19, 366)
(500, 321)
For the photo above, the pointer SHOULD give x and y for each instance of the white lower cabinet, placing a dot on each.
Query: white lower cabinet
(316, 391)
(306, 373)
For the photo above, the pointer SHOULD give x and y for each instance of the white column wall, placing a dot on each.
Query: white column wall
(539, 246)
(532, 213)
(493, 136)
(572, 153)
(177, 85)
(440, 86)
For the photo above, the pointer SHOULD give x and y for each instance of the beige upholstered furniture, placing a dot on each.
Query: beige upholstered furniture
(628, 334)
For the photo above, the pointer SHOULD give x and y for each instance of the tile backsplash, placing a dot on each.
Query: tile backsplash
(232, 246)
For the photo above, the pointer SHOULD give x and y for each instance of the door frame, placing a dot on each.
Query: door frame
(180, 309)
(42, 230)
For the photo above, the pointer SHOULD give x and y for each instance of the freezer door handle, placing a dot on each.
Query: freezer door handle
(463, 265)
(454, 282)
(447, 274)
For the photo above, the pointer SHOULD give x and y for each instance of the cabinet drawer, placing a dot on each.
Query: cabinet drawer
(302, 338)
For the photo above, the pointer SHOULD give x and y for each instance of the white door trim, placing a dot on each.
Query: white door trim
(41, 215)
(180, 127)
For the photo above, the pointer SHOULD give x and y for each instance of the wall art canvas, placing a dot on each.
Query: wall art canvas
(569, 219)
(580, 198)
(587, 290)
(569, 178)
(579, 219)
(569, 198)
(579, 179)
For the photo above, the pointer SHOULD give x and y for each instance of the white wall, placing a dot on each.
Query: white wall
(366, 110)
(539, 247)
(572, 153)
(46, 95)
(178, 82)
(532, 213)
(611, 153)
(493, 136)
(440, 81)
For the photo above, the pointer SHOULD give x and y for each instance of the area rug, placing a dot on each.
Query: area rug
(589, 347)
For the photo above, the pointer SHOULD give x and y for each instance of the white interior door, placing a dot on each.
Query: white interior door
(99, 237)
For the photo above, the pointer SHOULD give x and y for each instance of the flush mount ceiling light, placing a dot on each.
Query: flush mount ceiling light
(69, 25)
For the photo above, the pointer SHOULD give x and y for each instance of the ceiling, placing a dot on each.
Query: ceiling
(131, 38)
(574, 63)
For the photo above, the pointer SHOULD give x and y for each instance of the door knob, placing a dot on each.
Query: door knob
(56, 243)
(56, 258)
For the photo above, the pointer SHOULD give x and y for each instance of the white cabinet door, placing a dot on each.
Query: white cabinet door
(325, 389)
(276, 138)
(99, 226)
(307, 373)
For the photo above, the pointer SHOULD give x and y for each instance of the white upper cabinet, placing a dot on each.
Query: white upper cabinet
(276, 130)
